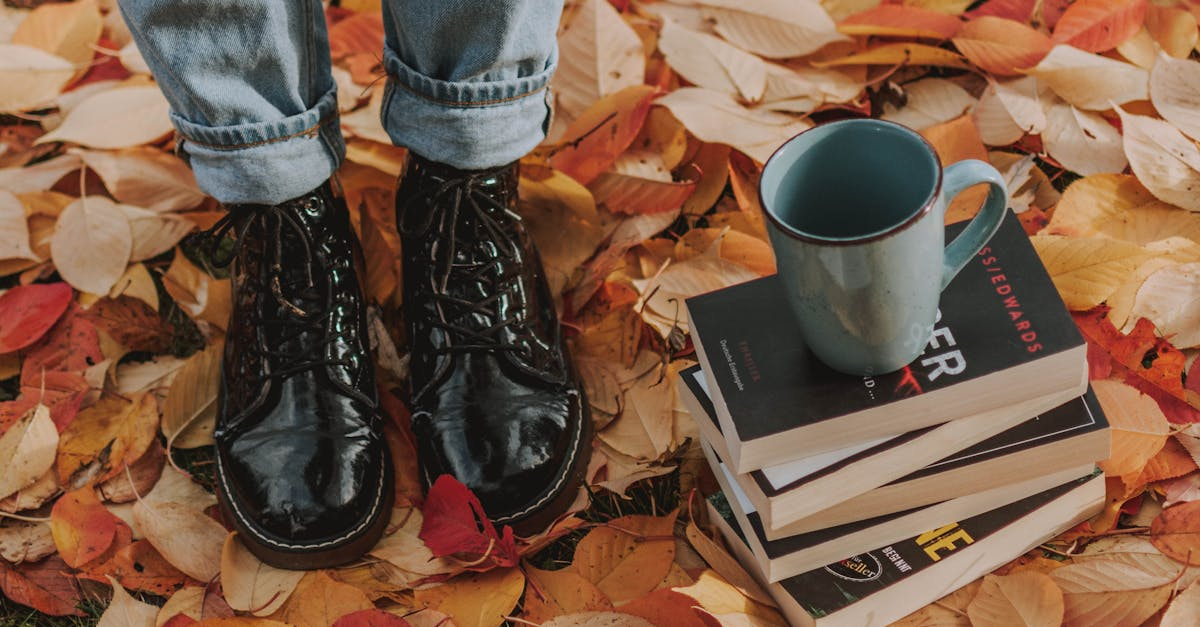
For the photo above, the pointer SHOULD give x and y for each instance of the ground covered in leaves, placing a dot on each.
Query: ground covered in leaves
(111, 324)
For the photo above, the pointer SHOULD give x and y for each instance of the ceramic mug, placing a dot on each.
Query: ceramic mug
(855, 214)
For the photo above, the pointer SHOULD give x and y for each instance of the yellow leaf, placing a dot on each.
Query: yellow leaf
(184, 535)
(252, 586)
(189, 411)
(106, 437)
(476, 599)
(197, 292)
(901, 54)
(27, 450)
(126, 611)
(628, 556)
(1139, 428)
(188, 601)
(145, 177)
(597, 619)
(1165, 161)
(1120, 207)
(709, 62)
(153, 233)
(1087, 270)
(1173, 28)
(552, 593)
(726, 565)
(929, 101)
(599, 54)
(92, 244)
(1124, 589)
(116, 118)
(404, 550)
(776, 29)
(1024, 598)
(1090, 81)
(31, 78)
(717, 596)
(68, 30)
(320, 600)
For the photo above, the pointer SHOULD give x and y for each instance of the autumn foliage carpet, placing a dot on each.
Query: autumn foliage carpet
(112, 323)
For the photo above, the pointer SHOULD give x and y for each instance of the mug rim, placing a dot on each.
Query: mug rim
(867, 238)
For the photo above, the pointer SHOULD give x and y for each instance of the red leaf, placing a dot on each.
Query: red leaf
(1099, 25)
(180, 620)
(83, 529)
(27, 312)
(105, 66)
(455, 524)
(665, 608)
(45, 586)
(370, 618)
(71, 346)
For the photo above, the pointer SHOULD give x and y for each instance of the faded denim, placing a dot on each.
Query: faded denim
(255, 105)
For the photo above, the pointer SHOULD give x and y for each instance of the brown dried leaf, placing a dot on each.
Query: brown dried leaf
(1024, 598)
(189, 412)
(726, 565)
(1176, 532)
(252, 586)
(145, 177)
(92, 244)
(184, 535)
(598, 619)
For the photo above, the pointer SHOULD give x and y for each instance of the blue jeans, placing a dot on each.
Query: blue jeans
(255, 105)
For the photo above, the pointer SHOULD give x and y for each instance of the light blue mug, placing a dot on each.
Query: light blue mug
(855, 214)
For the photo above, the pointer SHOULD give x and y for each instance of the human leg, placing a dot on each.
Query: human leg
(301, 469)
(496, 402)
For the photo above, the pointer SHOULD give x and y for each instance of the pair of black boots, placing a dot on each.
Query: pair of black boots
(302, 469)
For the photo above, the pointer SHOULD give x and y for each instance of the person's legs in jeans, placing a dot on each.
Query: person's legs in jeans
(301, 471)
(495, 400)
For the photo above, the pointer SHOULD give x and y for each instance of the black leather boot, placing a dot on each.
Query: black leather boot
(495, 399)
(302, 470)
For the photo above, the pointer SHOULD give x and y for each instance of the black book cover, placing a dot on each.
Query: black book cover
(826, 590)
(1069, 420)
(1000, 312)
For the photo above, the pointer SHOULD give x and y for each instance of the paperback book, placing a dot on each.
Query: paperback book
(1002, 331)
(893, 579)
(784, 557)
(914, 469)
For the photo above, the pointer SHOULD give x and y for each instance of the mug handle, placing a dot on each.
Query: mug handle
(956, 178)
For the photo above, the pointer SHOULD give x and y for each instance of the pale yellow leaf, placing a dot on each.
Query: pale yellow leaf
(131, 58)
(1139, 428)
(189, 412)
(1082, 141)
(252, 586)
(930, 101)
(709, 62)
(717, 118)
(14, 228)
(1184, 610)
(476, 599)
(145, 177)
(726, 565)
(1170, 298)
(117, 118)
(1020, 98)
(599, 54)
(802, 89)
(184, 535)
(92, 243)
(597, 619)
(996, 125)
(68, 30)
(365, 121)
(126, 611)
(27, 450)
(154, 233)
(137, 283)
(39, 177)
(900, 54)
(776, 29)
(188, 601)
(1024, 598)
(31, 77)
(404, 550)
(1175, 93)
(1087, 270)
(1165, 161)
(1140, 49)
(175, 486)
(718, 596)
(1091, 81)
(26, 542)
(1114, 591)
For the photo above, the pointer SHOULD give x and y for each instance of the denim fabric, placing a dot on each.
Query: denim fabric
(255, 105)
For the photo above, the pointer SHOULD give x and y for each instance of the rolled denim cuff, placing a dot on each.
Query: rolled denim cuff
(265, 162)
(468, 124)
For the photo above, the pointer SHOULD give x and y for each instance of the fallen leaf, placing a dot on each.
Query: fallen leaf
(598, 619)
(551, 593)
(184, 536)
(900, 55)
(455, 524)
(717, 118)
(131, 323)
(1139, 428)
(1170, 298)
(137, 566)
(595, 139)
(189, 411)
(707, 61)
(928, 102)
(370, 618)
(1120, 207)
(776, 29)
(41, 176)
(1114, 591)
(360, 32)
(632, 195)
(27, 312)
(44, 586)
(476, 599)
(153, 233)
(1000, 46)
(187, 602)
(320, 600)
(125, 611)
(116, 118)
(1184, 608)
(802, 89)
(1087, 270)
(1173, 28)
(1025, 598)
(1090, 81)
(404, 550)
(32, 78)
(599, 54)
(1175, 533)
(139, 479)
(92, 244)
(198, 293)
(26, 542)
(1165, 161)
(1175, 93)
(106, 437)
(1099, 25)
(34, 496)
(14, 228)
(27, 450)
(83, 530)
(68, 30)
(664, 608)
(252, 586)
(628, 556)
(1083, 141)
(726, 565)
(895, 20)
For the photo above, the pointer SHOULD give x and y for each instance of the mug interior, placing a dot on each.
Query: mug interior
(850, 180)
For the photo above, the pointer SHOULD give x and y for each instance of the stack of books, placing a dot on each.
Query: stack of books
(860, 499)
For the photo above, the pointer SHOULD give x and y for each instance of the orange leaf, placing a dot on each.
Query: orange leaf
(1173, 28)
(665, 608)
(552, 593)
(1176, 532)
(43, 585)
(1139, 428)
(629, 556)
(320, 600)
(897, 20)
(359, 33)
(106, 437)
(138, 566)
(599, 135)
(1099, 25)
(900, 54)
(132, 323)
(1001, 46)
(83, 529)
(632, 195)
(370, 618)
(1170, 462)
